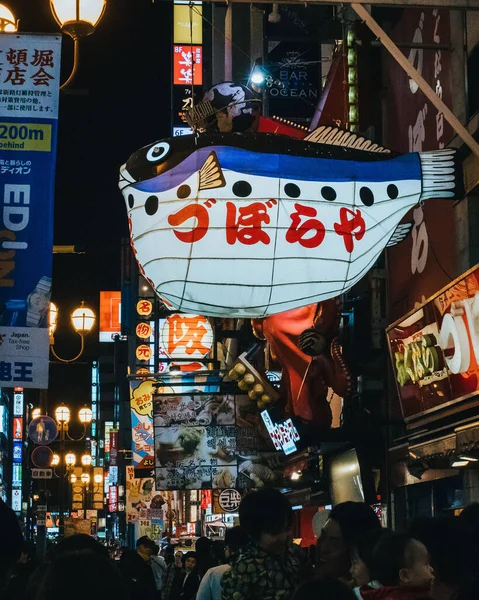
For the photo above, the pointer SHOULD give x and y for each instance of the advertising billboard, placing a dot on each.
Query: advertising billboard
(110, 315)
(29, 91)
(435, 349)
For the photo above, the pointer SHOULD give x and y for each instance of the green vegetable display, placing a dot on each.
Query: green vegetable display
(420, 359)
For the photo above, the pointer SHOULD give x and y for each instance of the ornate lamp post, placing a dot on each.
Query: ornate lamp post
(8, 23)
(83, 320)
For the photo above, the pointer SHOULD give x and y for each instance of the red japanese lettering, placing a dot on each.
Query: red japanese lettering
(246, 229)
(352, 227)
(298, 231)
(188, 333)
(192, 211)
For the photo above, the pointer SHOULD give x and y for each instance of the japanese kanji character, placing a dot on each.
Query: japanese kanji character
(352, 228)
(42, 58)
(187, 59)
(247, 229)
(144, 307)
(23, 371)
(5, 371)
(187, 332)
(41, 77)
(17, 57)
(298, 231)
(187, 76)
(196, 211)
(143, 330)
(16, 76)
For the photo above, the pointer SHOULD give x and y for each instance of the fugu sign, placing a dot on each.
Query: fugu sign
(250, 225)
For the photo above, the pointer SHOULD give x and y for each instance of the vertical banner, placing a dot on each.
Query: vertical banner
(29, 92)
(113, 448)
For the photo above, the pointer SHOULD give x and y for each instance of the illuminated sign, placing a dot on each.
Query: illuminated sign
(144, 308)
(4, 420)
(110, 316)
(187, 24)
(17, 451)
(187, 65)
(179, 131)
(113, 498)
(284, 435)
(17, 500)
(17, 428)
(17, 475)
(435, 348)
(186, 336)
(18, 404)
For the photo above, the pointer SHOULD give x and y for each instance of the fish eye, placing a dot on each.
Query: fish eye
(292, 190)
(367, 196)
(157, 152)
(242, 189)
(183, 191)
(328, 193)
(151, 205)
(131, 200)
(392, 191)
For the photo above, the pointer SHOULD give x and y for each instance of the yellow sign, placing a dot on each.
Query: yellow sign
(144, 352)
(143, 330)
(188, 24)
(25, 136)
(144, 308)
(141, 399)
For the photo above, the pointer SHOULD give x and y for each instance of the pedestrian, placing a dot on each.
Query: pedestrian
(204, 555)
(324, 589)
(11, 540)
(136, 567)
(172, 576)
(362, 560)
(19, 575)
(270, 566)
(236, 539)
(159, 566)
(346, 522)
(401, 566)
(190, 578)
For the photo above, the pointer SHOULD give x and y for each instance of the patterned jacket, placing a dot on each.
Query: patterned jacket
(256, 575)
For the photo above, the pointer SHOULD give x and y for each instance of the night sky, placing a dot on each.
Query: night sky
(119, 101)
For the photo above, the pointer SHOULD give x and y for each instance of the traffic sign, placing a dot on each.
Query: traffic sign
(43, 430)
(42, 457)
(41, 473)
(41, 522)
(41, 508)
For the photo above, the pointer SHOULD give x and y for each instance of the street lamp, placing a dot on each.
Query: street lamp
(7, 20)
(85, 415)
(82, 319)
(70, 459)
(98, 478)
(86, 460)
(85, 478)
(62, 414)
(55, 460)
(36, 412)
(77, 18)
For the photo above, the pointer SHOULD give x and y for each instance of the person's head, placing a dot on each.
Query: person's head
(362, 555)
(346, 522)
(236, 539)
(322, 589)
(400, 560)
(79, 575)
(189, 561)
(28, 553)
(169, 554)
(146, 547)
(266, 516)
(178, 558)
(78, 543)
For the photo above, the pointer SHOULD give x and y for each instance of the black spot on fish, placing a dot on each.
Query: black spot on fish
(183, 191)
(242, 189)
(151, 205)
(131, 200)
(366, 195)
(328, 193)
(393, 191)
(292, 190)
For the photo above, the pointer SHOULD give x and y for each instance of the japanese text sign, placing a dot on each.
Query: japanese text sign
(29, 91)
(435, 349)
(187, 65)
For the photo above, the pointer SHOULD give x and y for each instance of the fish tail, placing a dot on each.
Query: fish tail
(441, 174)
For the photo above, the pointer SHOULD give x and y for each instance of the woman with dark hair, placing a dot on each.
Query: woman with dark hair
(346, 522)
(270, 566)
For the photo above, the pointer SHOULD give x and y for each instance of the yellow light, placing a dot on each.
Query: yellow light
(70, 459)
(78, 18)
(36, 412)
(7, 20)
(85, 478)
(36, 497)
(86, 460)
(85, 415)
(83, 319)
(62, 414)
(55, 460)
(353, 94)
(351, 57)
(52, 319)
(98, 478)
(73, 478)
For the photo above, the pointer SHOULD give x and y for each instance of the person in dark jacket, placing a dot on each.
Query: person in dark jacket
(19, 575)
(11, 540)
(137, 570)
(190, 578)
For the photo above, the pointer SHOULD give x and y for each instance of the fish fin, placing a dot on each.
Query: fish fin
(400, 234)
(211, 175)
(335, 136)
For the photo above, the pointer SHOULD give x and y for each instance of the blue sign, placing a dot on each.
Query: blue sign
(29, 90)
(43, 430)
(17, 452)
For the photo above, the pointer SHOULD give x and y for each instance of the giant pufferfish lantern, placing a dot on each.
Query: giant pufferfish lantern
(253, 224)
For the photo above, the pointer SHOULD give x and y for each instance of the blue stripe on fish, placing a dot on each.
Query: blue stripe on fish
(405, 167)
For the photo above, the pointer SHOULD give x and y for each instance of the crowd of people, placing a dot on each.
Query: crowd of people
(354, 559)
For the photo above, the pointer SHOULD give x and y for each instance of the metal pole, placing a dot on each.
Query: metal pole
(62, 478)
(229, 42)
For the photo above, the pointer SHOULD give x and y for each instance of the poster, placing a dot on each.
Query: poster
(29, 91)
(142, 427)
(208, 441)
(435, 349)
(143, 502)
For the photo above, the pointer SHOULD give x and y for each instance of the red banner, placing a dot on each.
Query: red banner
(425, 261)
